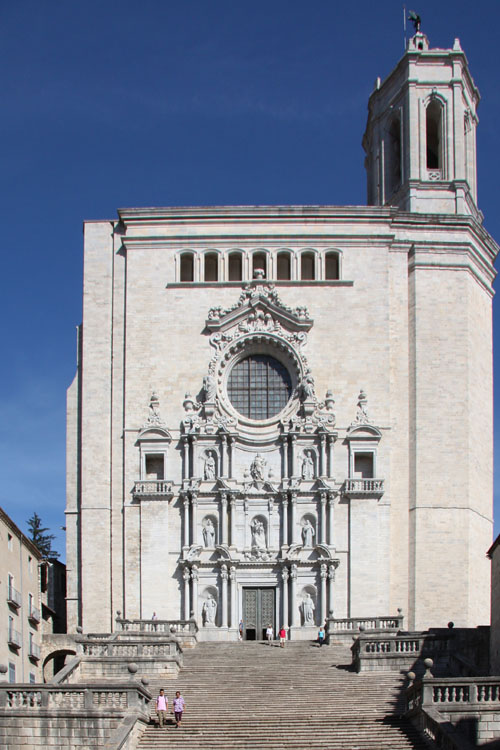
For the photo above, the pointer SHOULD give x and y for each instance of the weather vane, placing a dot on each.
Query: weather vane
(415, 19)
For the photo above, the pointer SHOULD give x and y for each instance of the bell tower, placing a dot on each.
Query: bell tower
(420, 137)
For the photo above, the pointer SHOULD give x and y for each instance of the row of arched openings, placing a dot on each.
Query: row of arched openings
(283, 266)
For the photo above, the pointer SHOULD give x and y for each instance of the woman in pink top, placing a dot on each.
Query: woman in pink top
(179, 707)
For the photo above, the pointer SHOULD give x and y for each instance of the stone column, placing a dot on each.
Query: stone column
(285, 456)
(293, 594)
(293, 440)
(194, 592)
(322, 526)
(331, 580)
(285, 575)
(194, 457)
(185, 503)
(323, 574)
(322, 456)
(232, 506)
(194, 519)
(223, 575)
(222, 457)
(230, 444)
(185, 457)
(331, 513)
(223, 520)
(331, 441)
(234, 597)
(293, 519)
(284, 505)
(186, 575)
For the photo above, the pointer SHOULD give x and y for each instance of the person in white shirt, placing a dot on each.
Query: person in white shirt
(269, 634)
(179, 707)
(162, 708)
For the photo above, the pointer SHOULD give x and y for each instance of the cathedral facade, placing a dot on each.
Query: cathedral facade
(282, 414)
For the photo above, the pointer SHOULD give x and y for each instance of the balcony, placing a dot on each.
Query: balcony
(14, 638)
(34, 651)
(34, 614)
(363, 487)
(13, 597)
(152, 489)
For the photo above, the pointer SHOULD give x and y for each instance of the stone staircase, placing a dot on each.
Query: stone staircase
(258, 697)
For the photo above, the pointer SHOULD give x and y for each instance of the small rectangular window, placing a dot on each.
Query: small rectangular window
(32, 678)
(30, 564)
(363, 465)
(12, 672)
(154, 466)
(9, 541)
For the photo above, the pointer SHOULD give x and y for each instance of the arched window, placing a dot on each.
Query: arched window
(332, 266)
(211, 267)
(307, 267)
(235, 270)
(434, 133)
(259, 386)
(187, 267)
(283, 266)
(393, 157)
(259, 263)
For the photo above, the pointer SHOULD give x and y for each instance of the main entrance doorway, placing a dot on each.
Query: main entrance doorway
(258, 612)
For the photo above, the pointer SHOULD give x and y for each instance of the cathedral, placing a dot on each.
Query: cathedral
(283, 414)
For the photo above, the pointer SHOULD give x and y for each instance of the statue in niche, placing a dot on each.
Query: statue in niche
(209, 388)
(209, 533)
(306, 388)
(258, 534)
(307, 465)
(210, 466)
(257, 468)
(209, 610)
(308, 610)
(308, 533)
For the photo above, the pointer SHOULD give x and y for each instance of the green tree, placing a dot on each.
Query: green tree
(38, 534)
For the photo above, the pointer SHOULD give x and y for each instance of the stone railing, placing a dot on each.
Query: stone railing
(440, 706)
(34, 614)
(14, 638)
(156, 488)
(129, 650)
(361, 487)
(371, 653)
(81, 697)
(13, 596)
(359, 624)
(184, 630)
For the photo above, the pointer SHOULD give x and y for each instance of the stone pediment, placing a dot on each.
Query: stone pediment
(363, 431)
(259, 308)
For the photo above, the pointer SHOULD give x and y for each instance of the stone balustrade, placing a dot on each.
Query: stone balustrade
(79, 697)
(184, 630)
(378, 652)
(129, 650)
(157, 488)
(357, 624)
(356, 487)
(439, 706)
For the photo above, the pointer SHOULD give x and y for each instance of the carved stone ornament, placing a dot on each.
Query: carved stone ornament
(362, 413)
(154, 418)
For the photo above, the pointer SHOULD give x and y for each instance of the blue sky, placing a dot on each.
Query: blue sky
(110, 104)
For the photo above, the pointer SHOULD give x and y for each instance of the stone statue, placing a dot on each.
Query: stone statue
(307, 466)
(329, 400)
(209, 388)
(210, 467)
(257, 468)
(209, 610)
(308, 610)
(306, 389)
(308, 533)
(209, 533)
(258, 534)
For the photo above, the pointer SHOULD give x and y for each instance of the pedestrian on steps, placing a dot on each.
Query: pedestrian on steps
(282, 635)
(179, 707)
(321, 635)
(269, 634)
(162, 708)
